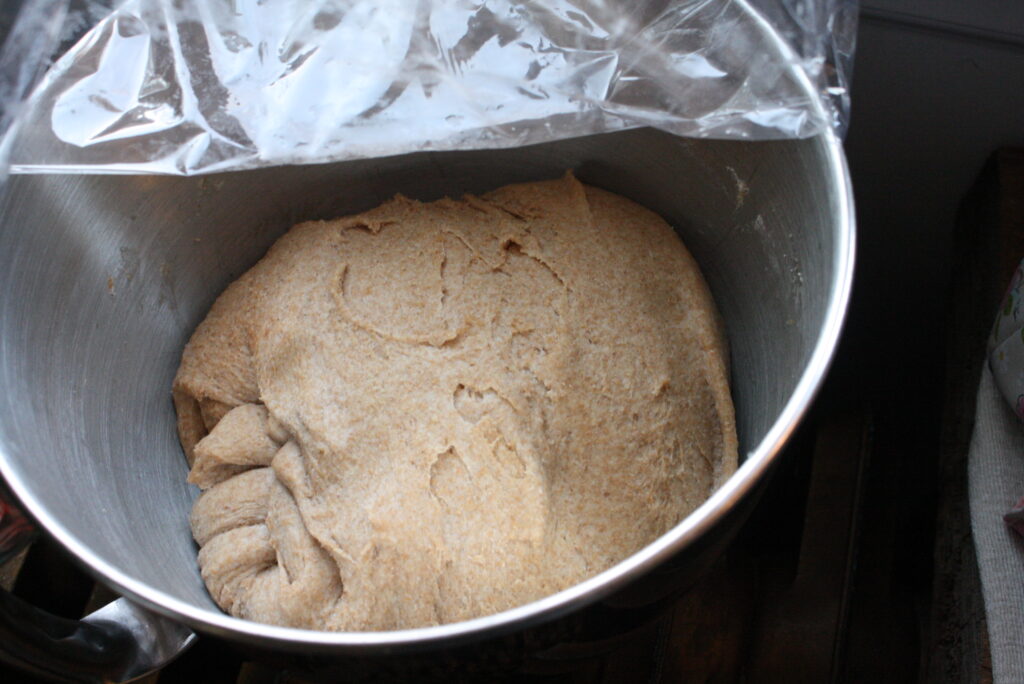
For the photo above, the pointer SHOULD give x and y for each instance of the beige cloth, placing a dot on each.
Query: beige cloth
(996, 480)
(431, 412)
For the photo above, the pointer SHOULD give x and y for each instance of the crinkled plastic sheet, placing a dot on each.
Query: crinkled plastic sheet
(198, 86)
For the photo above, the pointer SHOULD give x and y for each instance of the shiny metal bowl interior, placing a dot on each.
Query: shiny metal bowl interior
(103, 278)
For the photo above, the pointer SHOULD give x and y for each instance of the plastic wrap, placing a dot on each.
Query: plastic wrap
(27, 36)
(187, 86)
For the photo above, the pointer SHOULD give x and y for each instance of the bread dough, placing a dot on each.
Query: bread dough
(427, 413)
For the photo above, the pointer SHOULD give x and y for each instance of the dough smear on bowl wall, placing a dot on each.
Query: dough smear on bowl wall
(427, 413)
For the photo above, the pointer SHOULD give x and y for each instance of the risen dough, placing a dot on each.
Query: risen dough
(431, 412)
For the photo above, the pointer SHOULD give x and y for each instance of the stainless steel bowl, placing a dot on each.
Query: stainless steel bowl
(103, 278)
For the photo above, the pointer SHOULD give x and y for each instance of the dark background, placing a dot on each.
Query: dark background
(938, 87)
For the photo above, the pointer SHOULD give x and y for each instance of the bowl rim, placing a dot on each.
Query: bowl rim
(752, 470)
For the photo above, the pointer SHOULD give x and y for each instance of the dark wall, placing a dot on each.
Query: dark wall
(935, 90)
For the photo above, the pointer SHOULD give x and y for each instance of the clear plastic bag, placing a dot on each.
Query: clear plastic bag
(188, 87)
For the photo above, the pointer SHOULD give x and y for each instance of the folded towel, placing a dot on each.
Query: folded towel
(996, 481)
(1006, 345)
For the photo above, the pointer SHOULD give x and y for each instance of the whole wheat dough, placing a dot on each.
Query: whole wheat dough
(431, 412)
